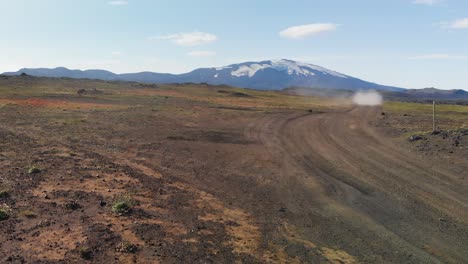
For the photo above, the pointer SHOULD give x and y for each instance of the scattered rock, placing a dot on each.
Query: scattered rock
(73, 205)
(126, 247)
(415, 138)
(89, 91)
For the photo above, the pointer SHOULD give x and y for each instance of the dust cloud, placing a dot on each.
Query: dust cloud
(367, 98)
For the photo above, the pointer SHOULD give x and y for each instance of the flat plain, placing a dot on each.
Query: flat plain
(119, 172)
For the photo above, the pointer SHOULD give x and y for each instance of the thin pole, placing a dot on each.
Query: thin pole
(433, 116)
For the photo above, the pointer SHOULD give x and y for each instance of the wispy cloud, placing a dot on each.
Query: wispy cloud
(438, 56)
(427, 2)
(116, 53)
(189, 39)
(118, 3)
(201, 53)
(460, 24)
(303, 31)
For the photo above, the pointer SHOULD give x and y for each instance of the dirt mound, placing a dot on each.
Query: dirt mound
(444, 141)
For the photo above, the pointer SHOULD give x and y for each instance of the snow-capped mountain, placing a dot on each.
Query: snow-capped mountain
(264, 75)
(286, 66)
(278, 74)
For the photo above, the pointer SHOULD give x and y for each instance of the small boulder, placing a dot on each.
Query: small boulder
(72, 205)
(415, 138)
(282, 210)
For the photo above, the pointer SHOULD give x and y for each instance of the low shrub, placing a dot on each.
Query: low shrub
(34, 170)
(123, 204)
(4, 215)
(85, 253)
(4, 193)
(127, 247)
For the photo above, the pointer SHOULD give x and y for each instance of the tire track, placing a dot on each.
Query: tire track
(364, 178)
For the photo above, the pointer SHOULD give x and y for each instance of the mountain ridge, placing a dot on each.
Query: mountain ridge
(262, 75)
(287, 75)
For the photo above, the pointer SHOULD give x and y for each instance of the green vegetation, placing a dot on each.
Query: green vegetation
(33, 170)
(420, 108)
(417, 117)
(85, 253)
(4, 193)
(4, 215)
(123, 204)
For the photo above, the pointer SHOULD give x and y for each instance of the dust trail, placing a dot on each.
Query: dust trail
(367, 98)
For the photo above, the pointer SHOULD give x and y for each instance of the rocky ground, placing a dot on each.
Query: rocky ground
(133, 173)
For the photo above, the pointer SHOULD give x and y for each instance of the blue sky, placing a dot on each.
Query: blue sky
(408, 43)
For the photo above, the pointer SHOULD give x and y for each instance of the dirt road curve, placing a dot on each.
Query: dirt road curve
(388, 205)
(277, 186)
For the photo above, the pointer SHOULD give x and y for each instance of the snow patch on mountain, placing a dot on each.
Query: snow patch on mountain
(321, 69)
(291, 67)
(222, 68)
(288, 66)
(249, 70)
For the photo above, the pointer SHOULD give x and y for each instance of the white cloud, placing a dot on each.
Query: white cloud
(438, 56)
(189, 39)
(426, 2)
(118, 3)
(201, 53)
(302, 31)
(460, 24)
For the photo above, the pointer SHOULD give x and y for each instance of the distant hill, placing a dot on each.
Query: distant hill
(263, 75)
(414, 95)
(433, 93)
(64, 72)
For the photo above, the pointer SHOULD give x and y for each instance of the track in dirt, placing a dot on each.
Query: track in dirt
(343, 168)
